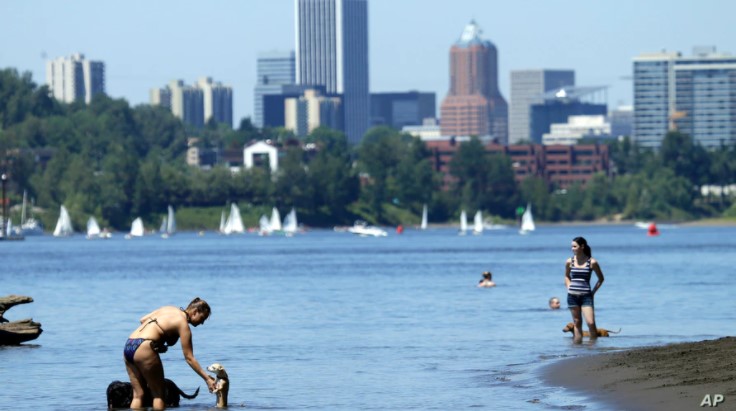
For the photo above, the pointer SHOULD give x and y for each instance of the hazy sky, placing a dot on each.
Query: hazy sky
(146, 43)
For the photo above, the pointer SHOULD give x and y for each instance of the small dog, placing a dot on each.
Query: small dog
(120, 395)
(222, 384)
(602, 332)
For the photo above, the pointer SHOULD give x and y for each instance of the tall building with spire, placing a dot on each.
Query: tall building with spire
(332, 51)
(474, 105)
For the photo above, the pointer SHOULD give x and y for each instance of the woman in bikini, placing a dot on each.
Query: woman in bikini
(578, 270)
(159, 330)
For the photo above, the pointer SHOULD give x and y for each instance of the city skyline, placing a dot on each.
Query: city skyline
(408, 40)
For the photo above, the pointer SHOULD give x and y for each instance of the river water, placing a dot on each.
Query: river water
(327, 320)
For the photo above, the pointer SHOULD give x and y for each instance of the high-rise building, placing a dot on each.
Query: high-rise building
(695, 95)
(274, 70)
(332, 51)
(304, 114)
(474, 104)
(217, 101)
(402, 109)
(527, 88)
(195, 105)
(558, 105)
(75, 78)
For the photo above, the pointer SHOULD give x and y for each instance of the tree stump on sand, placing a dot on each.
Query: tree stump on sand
(16, 332)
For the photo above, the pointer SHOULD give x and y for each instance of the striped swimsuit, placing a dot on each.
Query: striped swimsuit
(579, 278)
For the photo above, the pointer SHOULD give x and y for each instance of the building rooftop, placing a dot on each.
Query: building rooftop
(472, 36)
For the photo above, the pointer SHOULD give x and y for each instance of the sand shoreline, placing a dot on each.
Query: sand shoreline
(670, 377)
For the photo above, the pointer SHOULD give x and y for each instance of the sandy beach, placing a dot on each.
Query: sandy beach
(671, 377)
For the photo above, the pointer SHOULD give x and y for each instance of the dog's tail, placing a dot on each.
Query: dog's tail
(187, 396)
(614, 332)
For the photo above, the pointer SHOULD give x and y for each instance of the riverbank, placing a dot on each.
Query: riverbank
(670, 377)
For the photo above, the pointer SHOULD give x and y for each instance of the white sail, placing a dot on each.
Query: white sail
(223, 223)
(290, 224)
(93, 229)
(463, 222)
(171, 223)
(275, 220)
(137, 229)
(63, 224)
(234, 223)
(23, 210)
(424, 218)
(478, 223)
(264, 225)
(164, 224)
(29, 226)
(527, 220)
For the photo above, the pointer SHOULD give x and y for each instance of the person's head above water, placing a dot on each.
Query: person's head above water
(554, 303)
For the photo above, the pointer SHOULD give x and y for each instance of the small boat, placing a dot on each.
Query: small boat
(275, 223)
(29, 226)
(63, 224)
(168, 225)
(136, 229)
(527, 221)
(264, 225)
(463, 223)
(234, 222)
(93, 229)
(362, 229)
(478, 223)
(423, 226)
(290, 225)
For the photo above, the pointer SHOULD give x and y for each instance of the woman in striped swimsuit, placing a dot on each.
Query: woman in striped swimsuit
(578, 270)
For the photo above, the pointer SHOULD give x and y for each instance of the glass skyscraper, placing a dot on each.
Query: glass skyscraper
(332, 51)
(274, 70)
(527, 88)
(695, 95)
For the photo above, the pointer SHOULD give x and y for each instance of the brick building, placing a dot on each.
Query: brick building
(560, 166)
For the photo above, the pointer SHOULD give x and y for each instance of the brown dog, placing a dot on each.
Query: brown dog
(602, 332)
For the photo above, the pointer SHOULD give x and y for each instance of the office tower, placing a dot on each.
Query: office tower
(161, 97)
(695, 95)
(474, 104)
(75, 78)
(332, 51)
(622, 121)
(527, 87)
(402, 109)
(274, 70)
(311, 110)
(558, 105)
(217, 101)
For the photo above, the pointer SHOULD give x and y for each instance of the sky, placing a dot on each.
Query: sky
(145, 44)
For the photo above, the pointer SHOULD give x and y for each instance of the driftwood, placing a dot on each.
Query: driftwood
(16, 332)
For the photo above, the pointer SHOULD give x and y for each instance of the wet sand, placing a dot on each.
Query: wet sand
(671, 377)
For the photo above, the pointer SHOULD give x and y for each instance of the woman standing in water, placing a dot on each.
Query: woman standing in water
(578, 270)
(159, 330)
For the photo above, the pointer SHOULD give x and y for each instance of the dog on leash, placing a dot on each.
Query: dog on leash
(222, 384)
(120, 395)
(602, 332)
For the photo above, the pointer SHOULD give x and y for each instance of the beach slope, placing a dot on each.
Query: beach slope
(671, 377)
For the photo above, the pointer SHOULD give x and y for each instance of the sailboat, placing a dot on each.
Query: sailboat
(275, 223)
(423, 226)
(29, 226)
(168, 226)
(136, 229)
(234, 223)
(93, 229)
(63, 224)
(463, 223)
(527, 221)
(264, 226)
(223, 222)
(290, 226)
(478, 223)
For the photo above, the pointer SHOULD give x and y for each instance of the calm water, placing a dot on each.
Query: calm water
(326, 320)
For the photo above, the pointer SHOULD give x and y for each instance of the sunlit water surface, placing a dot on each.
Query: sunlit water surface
(326, 320)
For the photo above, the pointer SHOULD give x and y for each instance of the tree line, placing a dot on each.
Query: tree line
(118, 162)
